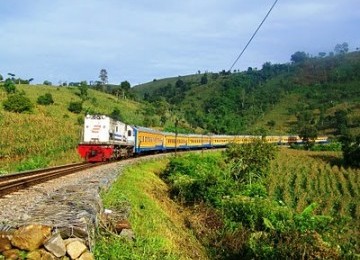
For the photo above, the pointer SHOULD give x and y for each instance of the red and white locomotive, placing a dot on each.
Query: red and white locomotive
(105, 139)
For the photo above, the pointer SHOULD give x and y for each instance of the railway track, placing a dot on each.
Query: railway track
(13, 182)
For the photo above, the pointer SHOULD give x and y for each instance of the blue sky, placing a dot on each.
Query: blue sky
(138, 41)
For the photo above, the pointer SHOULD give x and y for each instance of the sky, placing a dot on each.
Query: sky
(139, 41)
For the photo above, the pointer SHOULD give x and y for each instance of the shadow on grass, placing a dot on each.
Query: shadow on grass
(331, 159)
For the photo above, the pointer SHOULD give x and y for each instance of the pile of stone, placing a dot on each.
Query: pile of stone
(42, 242)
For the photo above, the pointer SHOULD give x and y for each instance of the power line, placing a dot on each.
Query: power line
(253, 35)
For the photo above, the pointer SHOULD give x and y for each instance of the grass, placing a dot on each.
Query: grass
(52, 132)
(156, 220)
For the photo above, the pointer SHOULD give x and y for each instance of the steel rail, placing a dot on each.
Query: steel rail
(13, 182)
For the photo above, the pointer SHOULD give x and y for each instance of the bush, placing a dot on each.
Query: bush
(36, 162)
(250, 161)
(18, 103)
(75, 107)
(252, 225)
(9, 86)
(45, 100)
(195, 178)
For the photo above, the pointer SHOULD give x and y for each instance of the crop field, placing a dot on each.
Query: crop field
(298, 178)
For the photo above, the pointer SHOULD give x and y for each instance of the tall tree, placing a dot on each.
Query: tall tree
(298, 56)
(83, 87)
(103, 78)
(341, 48)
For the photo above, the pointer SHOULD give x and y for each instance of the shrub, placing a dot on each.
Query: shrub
(45, 100)
(9, 86)
(250, 161)
(75, 107)
(351, 150)
(33, 163)
(18, 103)
(196, 178)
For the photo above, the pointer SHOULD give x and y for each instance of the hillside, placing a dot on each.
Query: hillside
(321, 93)
(48, 135)
(277, 99)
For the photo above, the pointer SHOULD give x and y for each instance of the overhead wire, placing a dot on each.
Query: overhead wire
(252, 37)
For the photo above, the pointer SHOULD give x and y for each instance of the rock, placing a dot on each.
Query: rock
(30, 237)
(55, 245)
(73, 231)
(87, 256)
(5, 243)
(73, 239)
(34, 255)
(122, 224)
(45, 255)
(75, 249)
(128, 234)
(11, 254)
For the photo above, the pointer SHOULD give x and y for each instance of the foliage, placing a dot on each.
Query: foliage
(248, 223)
(308, 134)
(233, 103)
(103, 78)
(83, 90)
(36, 162)
(332, 146)
(9, 86)
(75, 107)
(250, 162)
(299, 56)
(341, 48)
(116, 115)
(45, 100)
(47, 83)
(18, 103)
(351, 150)
(197, 178)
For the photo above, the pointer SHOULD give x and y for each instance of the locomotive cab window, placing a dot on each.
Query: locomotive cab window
(129, 133)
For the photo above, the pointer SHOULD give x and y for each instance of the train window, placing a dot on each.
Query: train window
(116, 129)
(129, 133)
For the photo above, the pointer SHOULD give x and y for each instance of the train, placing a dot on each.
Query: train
(106, 139)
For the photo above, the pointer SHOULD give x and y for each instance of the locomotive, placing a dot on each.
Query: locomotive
(105, 139)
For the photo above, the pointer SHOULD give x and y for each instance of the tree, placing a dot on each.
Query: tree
(75, 107)
(351, 150)
(18, 103)
(322, 54)
(47, 83)
(103, 78)
(299, 56)
(1, 77)
(116, 114)
(308, 134)
(9, 86)
(341, 48)
(45, 100)
(125, 87)
(204, 79)
(83, 90)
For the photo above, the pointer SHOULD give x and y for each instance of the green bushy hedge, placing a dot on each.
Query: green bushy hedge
(250, 224)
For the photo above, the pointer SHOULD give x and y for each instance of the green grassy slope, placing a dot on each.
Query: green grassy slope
(49, 134)
(266, 101)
